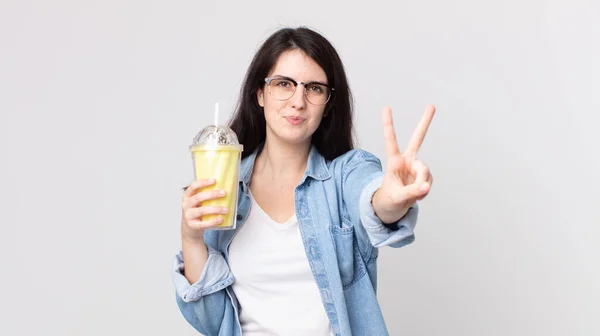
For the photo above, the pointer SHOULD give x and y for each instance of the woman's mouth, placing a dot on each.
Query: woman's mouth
(295, 120)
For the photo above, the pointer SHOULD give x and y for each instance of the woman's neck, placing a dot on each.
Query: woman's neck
(282, 160)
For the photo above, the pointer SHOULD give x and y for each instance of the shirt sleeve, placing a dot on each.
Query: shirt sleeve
(215, 276)
(205, 304)
(396, 234)
(363, 176)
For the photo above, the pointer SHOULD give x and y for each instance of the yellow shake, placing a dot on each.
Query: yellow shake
(221, 162)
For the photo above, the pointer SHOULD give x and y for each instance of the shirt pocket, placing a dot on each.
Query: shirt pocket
(350, 261)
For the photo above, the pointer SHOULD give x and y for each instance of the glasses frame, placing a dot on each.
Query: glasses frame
(270, 79)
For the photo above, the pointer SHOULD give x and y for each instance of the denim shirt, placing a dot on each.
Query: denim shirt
(341, 236)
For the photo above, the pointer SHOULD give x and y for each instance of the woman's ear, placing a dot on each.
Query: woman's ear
(261, 98)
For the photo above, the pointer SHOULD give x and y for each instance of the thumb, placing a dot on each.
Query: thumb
(414, 190)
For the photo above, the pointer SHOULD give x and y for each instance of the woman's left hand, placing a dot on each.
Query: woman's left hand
(406, 179)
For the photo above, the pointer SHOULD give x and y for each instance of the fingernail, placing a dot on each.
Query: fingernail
(224, 210)
(424, 187)
(222, 192)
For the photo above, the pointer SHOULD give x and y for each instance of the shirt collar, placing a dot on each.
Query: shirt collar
(316, 167)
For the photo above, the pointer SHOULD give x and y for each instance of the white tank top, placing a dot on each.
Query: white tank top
(274, 285)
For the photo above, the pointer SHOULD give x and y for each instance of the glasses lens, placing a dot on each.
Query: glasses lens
(282, 89)
(317, 94)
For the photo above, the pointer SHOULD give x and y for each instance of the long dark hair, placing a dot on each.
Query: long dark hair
(334, 136)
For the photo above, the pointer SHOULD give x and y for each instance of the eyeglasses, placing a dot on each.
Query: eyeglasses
(283, 88)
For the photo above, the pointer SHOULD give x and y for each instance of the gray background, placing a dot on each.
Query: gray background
(99, 101)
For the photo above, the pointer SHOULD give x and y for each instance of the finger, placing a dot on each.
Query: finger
(419, 134)
(430, 182)
(198, 224)
(197, 213)
(205, 196)
(197, 184)
(412, 191)
(391, 145)
(421, 171)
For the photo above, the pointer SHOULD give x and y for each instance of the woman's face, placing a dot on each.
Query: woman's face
(293, 120)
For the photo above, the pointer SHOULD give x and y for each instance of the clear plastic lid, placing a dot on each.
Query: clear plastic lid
(216, 135)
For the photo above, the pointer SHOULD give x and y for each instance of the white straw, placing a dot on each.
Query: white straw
(216, 114)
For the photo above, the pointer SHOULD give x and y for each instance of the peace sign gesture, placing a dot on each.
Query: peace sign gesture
(406, 179)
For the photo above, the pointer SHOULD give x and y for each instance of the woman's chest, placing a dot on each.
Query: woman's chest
(275, 198)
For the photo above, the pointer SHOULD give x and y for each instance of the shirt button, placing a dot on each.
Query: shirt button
(239, 217)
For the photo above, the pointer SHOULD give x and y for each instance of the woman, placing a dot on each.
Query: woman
(312, 210)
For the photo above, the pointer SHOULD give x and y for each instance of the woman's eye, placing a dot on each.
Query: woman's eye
(284, 84)
(316, 88)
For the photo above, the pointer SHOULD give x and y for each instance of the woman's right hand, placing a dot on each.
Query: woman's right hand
(192, 225)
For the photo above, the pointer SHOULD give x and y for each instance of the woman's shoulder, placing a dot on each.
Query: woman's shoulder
(355, 161)
(355, 156)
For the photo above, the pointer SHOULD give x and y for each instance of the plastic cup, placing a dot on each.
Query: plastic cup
(216, 154)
